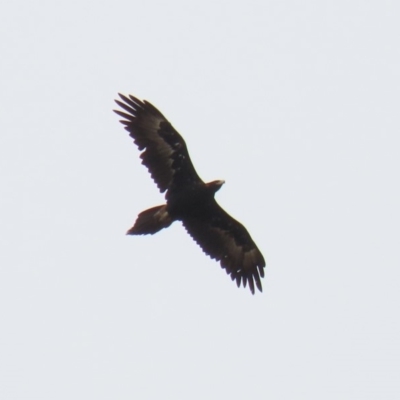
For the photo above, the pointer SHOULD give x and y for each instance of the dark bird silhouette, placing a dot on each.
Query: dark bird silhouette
(188, 198)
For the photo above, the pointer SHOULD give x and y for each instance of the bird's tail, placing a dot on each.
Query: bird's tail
(151, 221)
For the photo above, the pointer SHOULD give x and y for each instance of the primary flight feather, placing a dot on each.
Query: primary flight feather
(188, 198)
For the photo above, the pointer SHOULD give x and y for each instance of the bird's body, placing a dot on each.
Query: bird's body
(193, 200)
(189, 199)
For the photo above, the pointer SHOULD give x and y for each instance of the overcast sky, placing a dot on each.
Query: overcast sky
(296, 105)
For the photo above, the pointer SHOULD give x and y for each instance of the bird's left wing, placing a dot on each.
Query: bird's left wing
(164, 151)
(227, 240)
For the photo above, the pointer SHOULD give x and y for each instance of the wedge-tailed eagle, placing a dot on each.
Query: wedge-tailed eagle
(188, 198)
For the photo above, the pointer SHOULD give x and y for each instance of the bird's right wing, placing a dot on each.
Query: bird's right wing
(164, 151)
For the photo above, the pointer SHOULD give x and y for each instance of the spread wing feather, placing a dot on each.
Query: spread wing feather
(227, 240)
(164, 151)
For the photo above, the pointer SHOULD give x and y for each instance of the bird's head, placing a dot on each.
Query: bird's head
(214, 186)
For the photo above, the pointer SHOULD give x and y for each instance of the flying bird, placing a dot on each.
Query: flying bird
(188, 198)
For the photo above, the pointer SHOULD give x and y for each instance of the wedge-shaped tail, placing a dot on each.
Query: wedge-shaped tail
(151, 221)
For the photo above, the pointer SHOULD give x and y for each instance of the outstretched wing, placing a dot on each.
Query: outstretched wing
(227, 240)
(164, 151)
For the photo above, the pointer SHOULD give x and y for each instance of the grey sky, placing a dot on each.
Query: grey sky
(295, 105)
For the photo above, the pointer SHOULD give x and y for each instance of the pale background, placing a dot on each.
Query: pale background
(296, 105)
